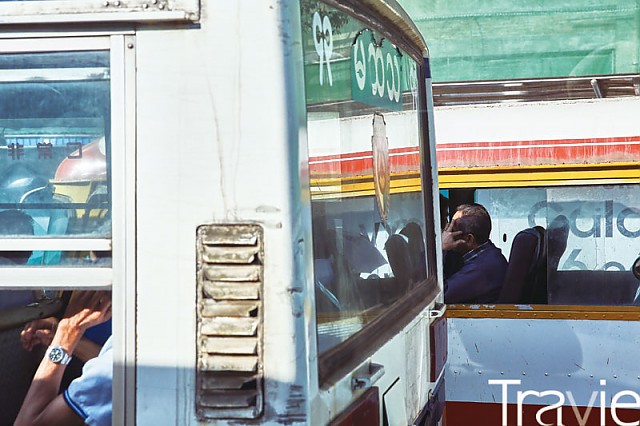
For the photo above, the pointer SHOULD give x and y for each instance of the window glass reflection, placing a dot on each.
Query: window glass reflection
(55, 148)
(364, 137)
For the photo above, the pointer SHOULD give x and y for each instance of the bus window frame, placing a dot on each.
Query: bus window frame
(556, 312)
(122, 174)
(60, 277)
(337, 361)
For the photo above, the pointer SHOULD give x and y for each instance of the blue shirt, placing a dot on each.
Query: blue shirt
(480, 277)
(90, 394)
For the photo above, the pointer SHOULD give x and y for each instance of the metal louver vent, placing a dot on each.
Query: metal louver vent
(230, 271)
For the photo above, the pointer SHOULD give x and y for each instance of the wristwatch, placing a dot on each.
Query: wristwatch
(58, 355)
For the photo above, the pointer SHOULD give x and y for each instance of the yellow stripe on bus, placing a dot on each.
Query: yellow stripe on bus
(529, 176)
(489, 177)
(345, 187)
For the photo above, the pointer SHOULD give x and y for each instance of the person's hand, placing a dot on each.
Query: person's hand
(38, 332)
(451, 240)
(88, 308)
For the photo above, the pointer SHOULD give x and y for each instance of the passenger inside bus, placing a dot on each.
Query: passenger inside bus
(15, 222)
(580, 244)
(88, 398)
(17, 367)
(481, 268)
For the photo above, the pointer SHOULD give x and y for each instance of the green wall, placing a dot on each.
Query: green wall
(501, 39)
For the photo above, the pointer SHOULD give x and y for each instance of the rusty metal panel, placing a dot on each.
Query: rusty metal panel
(231, 345)
(227, 326)
(232, 273)
(239, 308)
(229, 348)
(222, 254)
(221, 290)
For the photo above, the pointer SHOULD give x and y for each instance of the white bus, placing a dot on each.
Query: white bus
(561, 344)
(164, 150)
(557, 166)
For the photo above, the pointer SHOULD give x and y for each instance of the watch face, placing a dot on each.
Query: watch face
(56, 355)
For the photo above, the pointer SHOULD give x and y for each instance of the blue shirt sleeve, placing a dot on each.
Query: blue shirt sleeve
(90, 394)
(99, 333)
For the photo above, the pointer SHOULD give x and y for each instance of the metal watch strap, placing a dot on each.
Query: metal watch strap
(58, 355)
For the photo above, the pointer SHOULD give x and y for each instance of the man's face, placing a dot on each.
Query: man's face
(468, 238)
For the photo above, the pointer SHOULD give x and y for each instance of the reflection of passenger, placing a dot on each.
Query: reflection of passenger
(88, 398)
(406, 254)
(479, 276)
(557, 236)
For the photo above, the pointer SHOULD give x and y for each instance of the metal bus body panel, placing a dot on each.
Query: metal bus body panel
(576, 119)
(403, 394)
(578, 358)
(237, 154)
(587, 354)
(599, 137)
(231, 155)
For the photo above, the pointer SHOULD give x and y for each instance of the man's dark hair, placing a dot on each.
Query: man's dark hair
(15, 222)
(474, 220)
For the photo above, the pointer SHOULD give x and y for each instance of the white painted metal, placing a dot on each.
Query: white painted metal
(537, 121)
(57, 11)
(28, 43)
(123, 189)
(213, 147)
(64, 244)
(55, 277)
(562, 355)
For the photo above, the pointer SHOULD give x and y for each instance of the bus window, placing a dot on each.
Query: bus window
(592, 237)
(367, 208)
(55, 196)
(54, 149)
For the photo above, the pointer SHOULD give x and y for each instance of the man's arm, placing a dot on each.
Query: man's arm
(43, 405)
(41, 332)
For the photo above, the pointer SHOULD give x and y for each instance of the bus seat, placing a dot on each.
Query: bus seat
(557, 236)
(525, 279)
(413, 232)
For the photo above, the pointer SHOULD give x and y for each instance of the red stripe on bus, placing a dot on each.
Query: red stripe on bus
(486, 154)
(400, 160)
(490, 414)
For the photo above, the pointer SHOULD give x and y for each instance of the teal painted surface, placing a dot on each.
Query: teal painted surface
(501, 39)
(376, 73)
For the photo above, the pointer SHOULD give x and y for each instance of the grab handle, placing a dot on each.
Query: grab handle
(364, 380)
